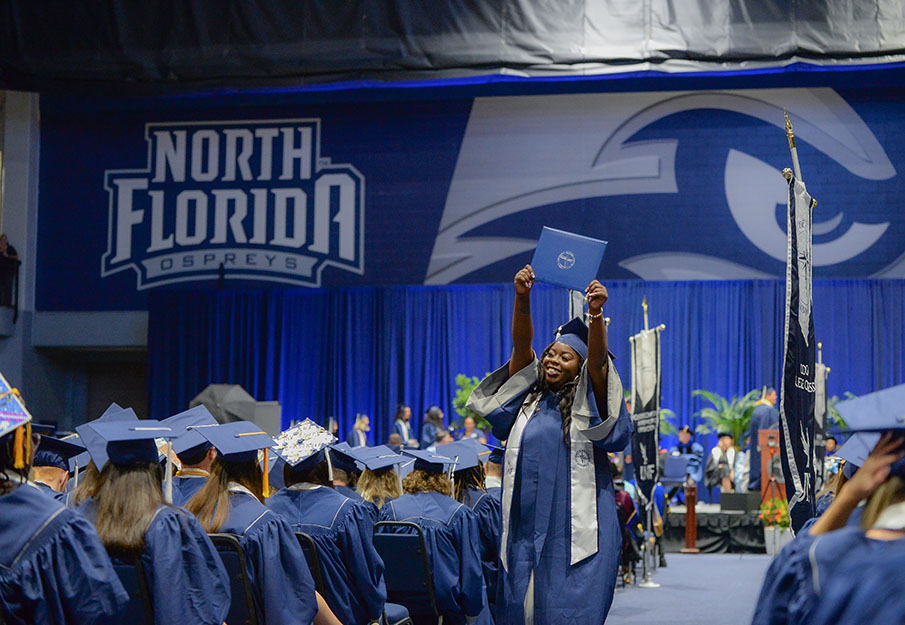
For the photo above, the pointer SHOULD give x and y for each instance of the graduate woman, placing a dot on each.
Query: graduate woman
(53, 567)
(561, 413)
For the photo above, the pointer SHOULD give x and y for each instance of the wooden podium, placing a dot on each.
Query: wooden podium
(771, 484)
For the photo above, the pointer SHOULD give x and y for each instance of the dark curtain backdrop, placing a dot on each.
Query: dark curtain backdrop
(339, 352)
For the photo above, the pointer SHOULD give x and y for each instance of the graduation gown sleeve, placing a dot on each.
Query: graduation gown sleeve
(279, 572)
(613, 431)
(490, 520)
(787, 593)
(470, 589)
(188, 582)
(499, 397)
(61, 575)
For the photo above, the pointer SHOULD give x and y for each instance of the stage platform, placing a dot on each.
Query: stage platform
(718, 531)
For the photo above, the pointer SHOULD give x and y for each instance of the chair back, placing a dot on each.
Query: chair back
(674, 469)
(407, 570)
(314, 563)
(243, 609)
(131, 573)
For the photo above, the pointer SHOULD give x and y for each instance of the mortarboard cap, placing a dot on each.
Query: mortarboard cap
(878, 411)
(13, 414)
(304, 445)
(575, 335)
(43, 429)
(427, 461)
(687, 429)
(96, 446)
(376, 462)
(566, 259)
(237, 441)
(343, 459)
(275, 466)
(131, 442)
(496, 455)
(54, 452)
(467, 453)
(183, 425)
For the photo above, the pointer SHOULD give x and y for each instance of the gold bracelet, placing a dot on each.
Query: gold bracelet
(597, 316)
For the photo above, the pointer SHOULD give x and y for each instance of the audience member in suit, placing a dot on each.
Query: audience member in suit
(53, 567)
(186, 578)
(231, 502)
(433, 425)
(451, 534)
(341, 530)
(358, 435)
(402, 426)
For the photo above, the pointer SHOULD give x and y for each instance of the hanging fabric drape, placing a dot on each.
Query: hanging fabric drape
(334, 353)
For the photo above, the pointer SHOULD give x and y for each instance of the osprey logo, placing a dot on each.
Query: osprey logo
(256, 197)
(566, 260)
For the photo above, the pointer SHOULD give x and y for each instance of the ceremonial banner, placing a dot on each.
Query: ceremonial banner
(820, 415)
(796, 402)
(646, 412)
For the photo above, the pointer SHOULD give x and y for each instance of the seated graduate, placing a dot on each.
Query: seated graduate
(50, 469)
(450, 533)
(186, 579)
(402, 426)
(432, 427)
(194, 452)
(469, 488)
(231, 502)
(358, 436)
(340, 527)
(837, 572)
(345, 472)
(53, 567)
(380, 481)
(720, 469)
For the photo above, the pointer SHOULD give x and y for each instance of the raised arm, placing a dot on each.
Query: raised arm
(522, 328)
(597, 345)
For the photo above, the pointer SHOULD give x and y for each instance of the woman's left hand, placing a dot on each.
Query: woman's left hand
(597, 296)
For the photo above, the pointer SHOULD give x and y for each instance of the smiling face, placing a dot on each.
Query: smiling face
(560, 365)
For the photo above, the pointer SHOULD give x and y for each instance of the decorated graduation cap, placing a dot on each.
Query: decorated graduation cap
(304, 446)
(131, 442)
(185, 426)
(54, 452)
(15, 420)
(97, 446)
(575, 335)
(429, 462)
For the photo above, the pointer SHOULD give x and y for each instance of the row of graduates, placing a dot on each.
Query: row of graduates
(845, 565)
(56, 563)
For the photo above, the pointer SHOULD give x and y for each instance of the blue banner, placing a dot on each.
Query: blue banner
(288, 189)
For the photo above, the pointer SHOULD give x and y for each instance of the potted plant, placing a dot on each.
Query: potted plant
(465, 385)
(724, 415)
(774, 514)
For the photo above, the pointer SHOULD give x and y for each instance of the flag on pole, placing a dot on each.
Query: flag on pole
(646, 412)
(796, 401)
(820, 414)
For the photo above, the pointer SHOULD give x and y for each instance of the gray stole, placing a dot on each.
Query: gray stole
(583, 479)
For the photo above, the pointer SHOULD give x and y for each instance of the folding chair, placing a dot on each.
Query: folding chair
(407, 570)
(131, 573)
(243, 609)
(674, 474)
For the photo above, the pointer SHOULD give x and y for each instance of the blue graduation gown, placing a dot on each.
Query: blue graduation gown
(354, 441)
(428, 435)
(185, 487)
(348, 492)
(486, 507)
(53, 567)
(279, 573)
(540, 521)
(342, 531)
(764, 417)
(188, 582)
(452, 538)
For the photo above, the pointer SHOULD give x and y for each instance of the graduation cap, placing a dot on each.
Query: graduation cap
(466, 453)
(274, 471)
(43, 429)
(237, 441)
(54, 452)
(496, 455)
(343, 458)
(429, 462)
(575, 335)
(877, 411)
(856, 450)
(184, 424)
(377, 462)
(131, 442)
(304, 446)
(96, 446)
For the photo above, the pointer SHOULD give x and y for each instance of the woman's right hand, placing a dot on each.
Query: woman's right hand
(524, 280)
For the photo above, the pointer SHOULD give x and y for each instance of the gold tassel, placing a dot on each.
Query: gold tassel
(22, 446)
(266, 475)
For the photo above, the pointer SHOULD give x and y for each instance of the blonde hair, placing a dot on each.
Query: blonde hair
(90, 482)
(892, 491)
(211, 503)
(423, 482)
(378, 486)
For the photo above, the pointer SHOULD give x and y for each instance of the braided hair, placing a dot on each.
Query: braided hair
(566, 394)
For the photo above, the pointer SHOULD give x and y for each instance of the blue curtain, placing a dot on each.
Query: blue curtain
(339, 352)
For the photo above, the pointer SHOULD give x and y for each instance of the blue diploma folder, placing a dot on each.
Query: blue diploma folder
(566, 259)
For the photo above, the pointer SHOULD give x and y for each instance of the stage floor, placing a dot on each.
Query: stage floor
(716, 589)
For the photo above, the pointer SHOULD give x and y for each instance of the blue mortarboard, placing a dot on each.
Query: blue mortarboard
(53, 452)
(183, 424)
(575, 335)
(467, 453)
(342, 457)
(383, 461)
(79, 462)
(43, 429)
(877, 411)
(496, 455)
(96, 446)
(275, 466)
(238, 441)
(131, 442)
(427, 461)
(566, 259)
(856, 449)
